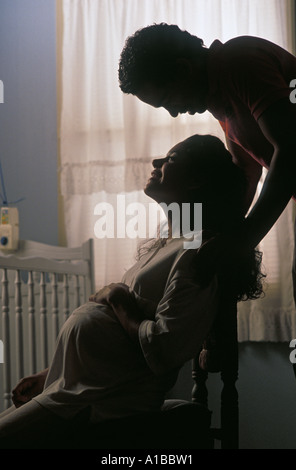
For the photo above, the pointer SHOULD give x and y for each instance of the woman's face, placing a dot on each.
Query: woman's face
(173, 176)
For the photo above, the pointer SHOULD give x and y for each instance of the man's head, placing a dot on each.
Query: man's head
(165, 67)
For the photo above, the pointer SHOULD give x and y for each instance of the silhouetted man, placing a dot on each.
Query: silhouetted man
(245, 84)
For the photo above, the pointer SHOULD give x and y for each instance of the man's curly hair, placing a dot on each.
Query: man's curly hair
(150, 55)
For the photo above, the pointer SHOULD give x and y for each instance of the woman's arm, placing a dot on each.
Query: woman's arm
(183, 319)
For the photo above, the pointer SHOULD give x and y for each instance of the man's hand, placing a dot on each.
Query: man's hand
(28, 388)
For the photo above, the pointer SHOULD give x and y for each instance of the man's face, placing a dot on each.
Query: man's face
(177, 97)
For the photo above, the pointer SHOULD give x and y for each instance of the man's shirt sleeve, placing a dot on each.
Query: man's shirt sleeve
(258, 81)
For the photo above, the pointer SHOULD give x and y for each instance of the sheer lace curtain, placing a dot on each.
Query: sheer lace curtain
(108, 139)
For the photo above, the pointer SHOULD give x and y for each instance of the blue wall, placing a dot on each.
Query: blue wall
(28, 116)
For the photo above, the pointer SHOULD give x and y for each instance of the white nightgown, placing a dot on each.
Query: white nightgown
(96, 364)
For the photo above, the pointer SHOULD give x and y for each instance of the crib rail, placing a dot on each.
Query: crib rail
(40, 286)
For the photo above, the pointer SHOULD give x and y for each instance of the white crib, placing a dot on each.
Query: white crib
(41, 286)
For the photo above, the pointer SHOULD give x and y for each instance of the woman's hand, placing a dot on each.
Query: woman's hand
(28, 388)
(119, 297)
(113, 293)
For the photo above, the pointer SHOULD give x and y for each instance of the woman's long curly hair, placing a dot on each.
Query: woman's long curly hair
(223, 197)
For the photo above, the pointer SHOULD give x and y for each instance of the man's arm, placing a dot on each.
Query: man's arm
(278, 124)
(251, 168)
